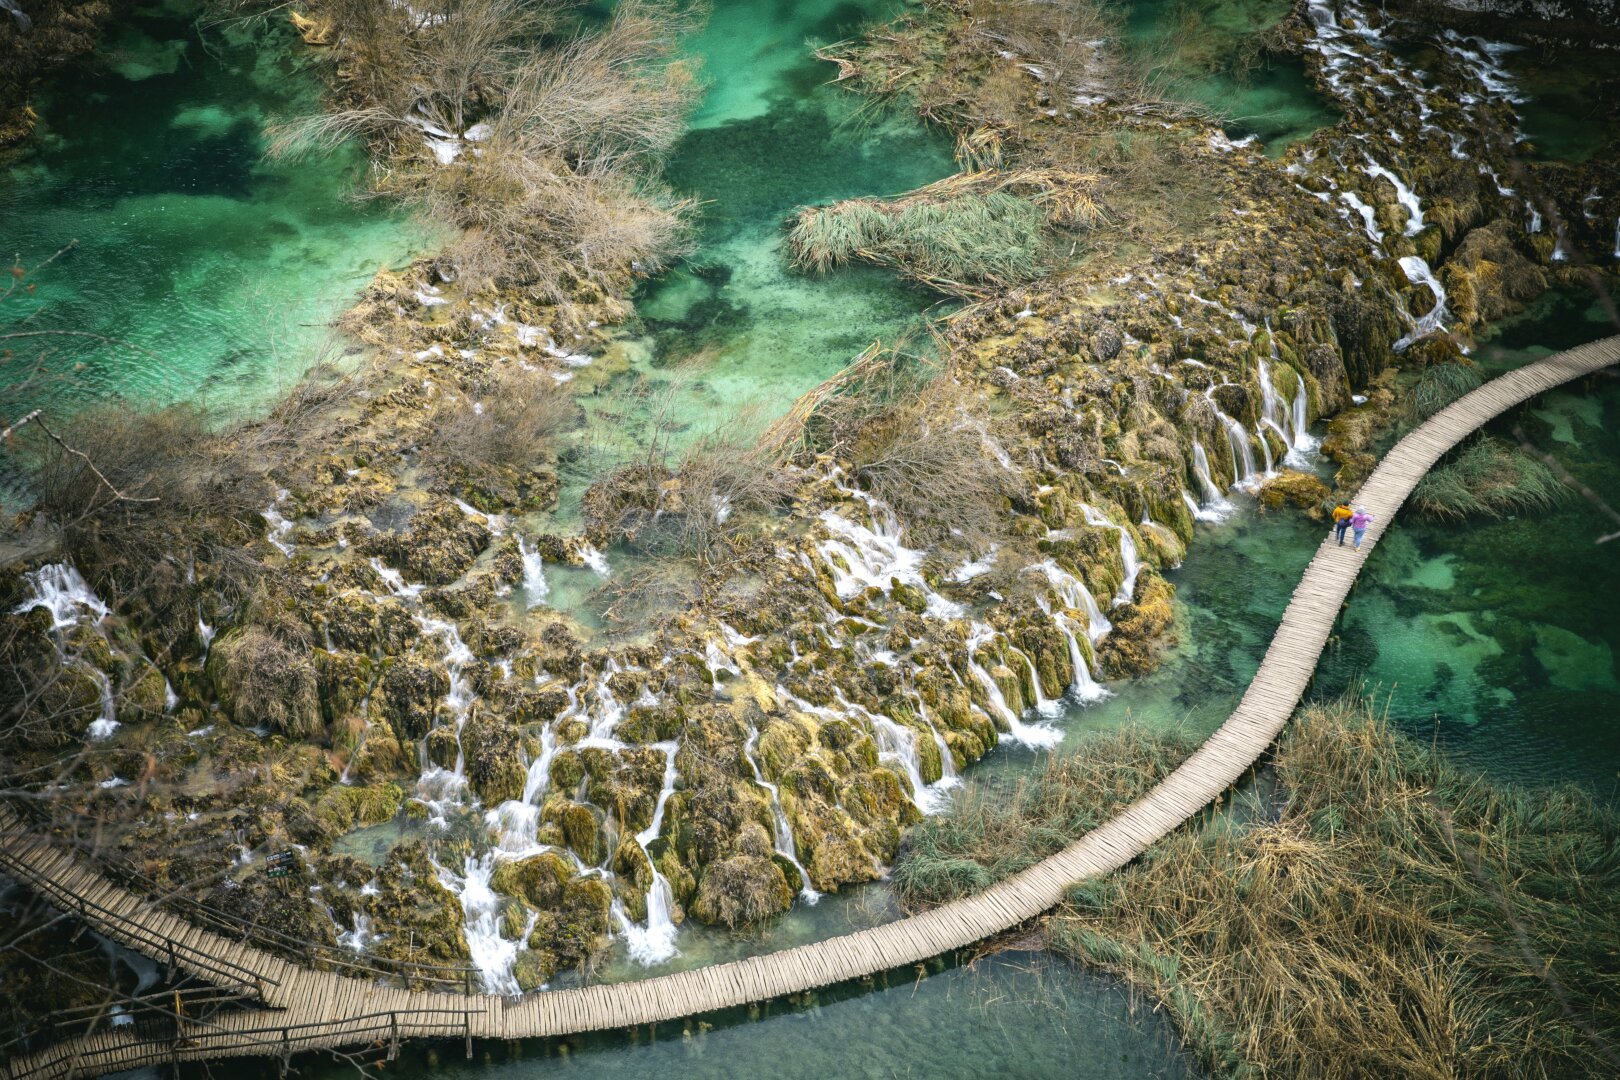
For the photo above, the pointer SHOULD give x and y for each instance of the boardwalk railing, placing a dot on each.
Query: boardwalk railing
(322, 1009)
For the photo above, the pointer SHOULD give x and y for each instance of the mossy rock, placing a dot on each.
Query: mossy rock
(581, 827)
(744, 890)
(566, 771)
(441, 747)
(344, 806)
(538, 880)
(1291, 488)
(342, 680)
(494, 761)
(409, 698)
(264, 678)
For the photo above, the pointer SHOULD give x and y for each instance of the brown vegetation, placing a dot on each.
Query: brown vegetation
(538, 148)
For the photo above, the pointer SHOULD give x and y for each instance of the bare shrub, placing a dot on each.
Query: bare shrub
(927, 450)
(507, 421)
(544, 156)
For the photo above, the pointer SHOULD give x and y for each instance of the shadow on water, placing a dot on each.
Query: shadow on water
(1014, 1014)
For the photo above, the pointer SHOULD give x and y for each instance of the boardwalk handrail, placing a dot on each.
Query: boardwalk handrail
(158, 946)
(446, 976)
(268, 1038)
(338, 1011)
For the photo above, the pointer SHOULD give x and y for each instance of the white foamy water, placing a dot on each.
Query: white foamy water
(1417, 271)
(535, 588)
(595, 560)
(861, 557)
(1035, 736)
(61, 590)
(1128, 556)
(782, 833)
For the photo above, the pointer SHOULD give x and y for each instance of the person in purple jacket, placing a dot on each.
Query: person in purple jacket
(1358, 524)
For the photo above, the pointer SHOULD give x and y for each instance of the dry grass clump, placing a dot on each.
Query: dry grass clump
(996, 830)
(507, 424)
(932, 458)
(144, 501)
(537, 146)
(968, 235)
(1488, 478)
(691, 501)
(1381, 915)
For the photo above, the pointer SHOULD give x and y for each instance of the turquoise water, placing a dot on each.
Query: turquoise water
(1193, 50)
(1014, 1014)
(731, 337)
(1498, 639)
(223, 269)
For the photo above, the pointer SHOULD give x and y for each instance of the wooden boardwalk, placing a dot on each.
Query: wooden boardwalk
(308, 1009)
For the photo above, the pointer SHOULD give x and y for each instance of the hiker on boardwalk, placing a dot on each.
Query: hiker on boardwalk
(1358, 524)
(1341, 520)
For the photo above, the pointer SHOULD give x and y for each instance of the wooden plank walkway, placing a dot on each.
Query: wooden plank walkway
(309, 1009)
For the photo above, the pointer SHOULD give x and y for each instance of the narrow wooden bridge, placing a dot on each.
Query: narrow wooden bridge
(307, 1009)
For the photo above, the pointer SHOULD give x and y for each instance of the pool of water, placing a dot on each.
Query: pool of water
(1203, 51)
(221, 271)
(1498, 639)
(1013, 1014)
(728, 339)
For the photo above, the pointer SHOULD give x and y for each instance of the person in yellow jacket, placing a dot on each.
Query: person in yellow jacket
(1341, 520)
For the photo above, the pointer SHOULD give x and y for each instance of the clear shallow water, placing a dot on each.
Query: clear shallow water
(1498, 639)
(226, 267)
(733, 335)
(1192, 51)
(1015, 1014)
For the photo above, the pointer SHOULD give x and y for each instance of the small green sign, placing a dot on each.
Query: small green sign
(281, 864)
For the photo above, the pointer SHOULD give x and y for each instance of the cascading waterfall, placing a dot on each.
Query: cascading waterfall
(535, 588)
(595, 560)
(897, 744)
(1417, 272)
(1128, 555)
(493, 954)
(60, 589)
(439, 787)
(1215, 505)
(1035, 736)
(280, 527)
(654, 942)
(1304, 443)
(783, 838)
(1074, 594)
(1245, 476)
(861, 557)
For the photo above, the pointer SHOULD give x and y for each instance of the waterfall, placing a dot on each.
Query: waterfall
(517, 821)
(1244, 474)
(59, 589)
(492, 954)
(438, 787)
(1033, 736)
(655, 942)
(535, 589)
(1083, 687)
(1403, 194)
(1074, 594)
(783, 831)
(1304, 443)
(594, 559)
(860, 557)
(1418, 273)
(280, 527)
(1128, 555)
(1214, 504)
(394, 581)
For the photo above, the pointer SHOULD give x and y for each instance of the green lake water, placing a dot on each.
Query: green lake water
(1202, 51)
(728, 339)
(1015, 1014)
(224, 269)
